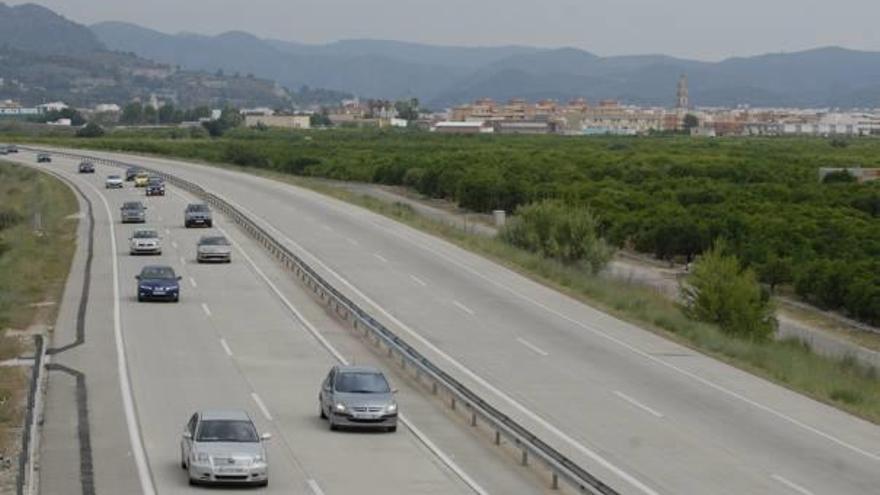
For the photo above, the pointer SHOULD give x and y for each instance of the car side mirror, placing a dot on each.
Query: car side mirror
(266, 436)
(394, 391)
(179, 277)
(137, 277)
(187, 435)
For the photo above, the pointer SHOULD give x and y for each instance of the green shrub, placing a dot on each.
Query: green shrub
(558, 231)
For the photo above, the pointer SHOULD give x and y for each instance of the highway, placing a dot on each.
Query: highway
(646, 415)
(122, 385)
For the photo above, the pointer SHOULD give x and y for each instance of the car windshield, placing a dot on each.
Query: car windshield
(132, 206)
(213, 241)
(160, 272)
(227, 431)
(113, 177)
(155, 180)
(145, 234)
(362, 383)
(197, 207)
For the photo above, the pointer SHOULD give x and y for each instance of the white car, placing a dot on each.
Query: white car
(224, 447)
(113, 182)
(145, 241)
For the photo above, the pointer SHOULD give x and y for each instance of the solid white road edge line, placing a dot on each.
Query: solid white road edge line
(206, 309)
(131, 419)
(792, 485)
(637, 404)
(380, 258)
(192, 282)
(533, 347)
(352, 241)
(418, 281)
(464, 369)
(262, 406)
(445, 459)
(596, 331)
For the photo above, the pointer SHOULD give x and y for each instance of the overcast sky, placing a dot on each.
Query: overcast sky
(704, 29)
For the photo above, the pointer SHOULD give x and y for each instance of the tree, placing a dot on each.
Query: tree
(690, 121)
(407, 109)
(775, 271)
(230, 118)
(320, 119)
(720, 291)
(133, 113)
(839, 177)
(91, 130)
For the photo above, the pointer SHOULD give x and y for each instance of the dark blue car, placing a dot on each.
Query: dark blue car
(158, 282)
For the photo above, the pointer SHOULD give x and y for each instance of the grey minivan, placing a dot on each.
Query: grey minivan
(358, 397)
(223, 446)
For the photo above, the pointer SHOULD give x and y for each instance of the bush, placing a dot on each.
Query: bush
(720, 291)
(91, 130)
(566, 233)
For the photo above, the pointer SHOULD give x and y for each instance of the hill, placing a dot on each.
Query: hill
(444, 76)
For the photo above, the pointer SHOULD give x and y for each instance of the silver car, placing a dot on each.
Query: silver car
(358, 397)
(113, 182)
(197, 214)
(220, 446)
(133, 212)
(145, 241)
(214, 248)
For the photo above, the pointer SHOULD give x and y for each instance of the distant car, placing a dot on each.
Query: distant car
(44, 158)
(113, 182)
(133, 212)
(358, 397)
(224, 447)
(158, 282)
(86, 168)
(197, 214)
(141, 179)
(131, 173)
(145, 241)
(156, 186)
(3, 150)
(12, 148)
(214, 248)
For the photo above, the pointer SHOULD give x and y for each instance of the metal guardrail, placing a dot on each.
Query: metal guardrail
(530, 445)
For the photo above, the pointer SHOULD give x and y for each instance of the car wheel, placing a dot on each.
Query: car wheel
(177, 298)
(333, 426)
(263, 483)
(321, 409)
(140, 299)
(391, 429)
(210, 224)
(193, 482)
(182, 461)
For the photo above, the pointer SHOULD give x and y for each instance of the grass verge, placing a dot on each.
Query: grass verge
(37, 241)
(842, 383)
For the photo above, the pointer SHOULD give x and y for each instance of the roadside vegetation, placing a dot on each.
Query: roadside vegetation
(777, 224)
(37, 240)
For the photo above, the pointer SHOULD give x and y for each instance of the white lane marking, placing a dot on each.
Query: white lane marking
(380, 258)
(192, 282)
(792, 485)
(131, 419)
(463, 307)
(327, 228)
(261, 406)
(182, 260)
(637, 404)
(418, 281)
(595, 456)
(596, 331)
(167, 231)
(445, 459)
(206, 309)
(226, 348)
(174, 244)
(313, 485)
(532, 346)
(352, 241)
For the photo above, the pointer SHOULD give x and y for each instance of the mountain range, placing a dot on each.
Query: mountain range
(442, 76)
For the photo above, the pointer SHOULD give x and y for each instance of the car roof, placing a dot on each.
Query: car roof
(228, 414)
(357, 369)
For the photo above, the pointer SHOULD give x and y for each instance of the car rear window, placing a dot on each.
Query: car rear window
(362, 383)
(221, 430)
(197, 207)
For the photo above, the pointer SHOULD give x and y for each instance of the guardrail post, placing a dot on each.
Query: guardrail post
(452, 403)
(473, 418)
(554, 483)
(525, 457)
(497, 437)
(434, 387)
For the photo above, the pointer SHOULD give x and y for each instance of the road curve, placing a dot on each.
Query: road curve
(645, 414)
(138, 370)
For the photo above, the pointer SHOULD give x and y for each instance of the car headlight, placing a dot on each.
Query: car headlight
(202, 457)
(259, 458)
(391, 408)
(145, 287)
(339, 407)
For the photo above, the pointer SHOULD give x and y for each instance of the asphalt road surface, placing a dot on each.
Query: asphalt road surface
(122, 386)
(644, 414)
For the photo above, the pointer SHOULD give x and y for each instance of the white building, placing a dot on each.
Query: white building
(107, 108)
(55, 106)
